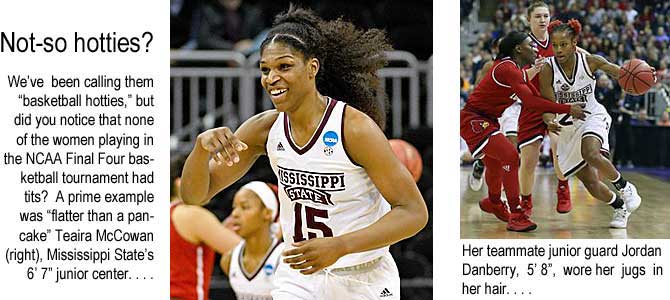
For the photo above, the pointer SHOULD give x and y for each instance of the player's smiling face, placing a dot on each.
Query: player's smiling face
(249, 214)
(286, 75)
(564, 45)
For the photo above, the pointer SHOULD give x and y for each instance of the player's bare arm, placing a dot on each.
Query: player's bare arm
(597, 62)
(197, 225)
(547, 91)
(220, 157)
(533, 102)
(368, 147)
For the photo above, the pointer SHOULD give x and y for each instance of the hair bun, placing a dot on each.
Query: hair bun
(553, 25)
(576, 26)
(297, 15)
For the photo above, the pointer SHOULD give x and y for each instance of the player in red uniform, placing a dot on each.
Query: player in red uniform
(195, 234)
(531, 126)
(501, 86)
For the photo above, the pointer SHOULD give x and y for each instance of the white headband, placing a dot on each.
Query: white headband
(267, 196)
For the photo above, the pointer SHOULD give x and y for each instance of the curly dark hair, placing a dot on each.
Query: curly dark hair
(349, 57)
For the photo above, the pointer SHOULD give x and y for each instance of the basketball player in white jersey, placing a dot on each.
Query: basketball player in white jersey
(344, 197)
(251, 265)
(568, 78)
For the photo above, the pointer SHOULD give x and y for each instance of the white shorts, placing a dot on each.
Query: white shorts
(374, 280)
(509, 121)
(569, 148)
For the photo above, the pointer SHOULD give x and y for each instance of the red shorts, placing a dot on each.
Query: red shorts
(531, 127)
(476, 130)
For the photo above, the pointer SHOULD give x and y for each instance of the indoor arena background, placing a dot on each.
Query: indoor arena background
(215, 82)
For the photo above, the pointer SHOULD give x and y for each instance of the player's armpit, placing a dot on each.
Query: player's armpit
(367, 146)
(224, 263)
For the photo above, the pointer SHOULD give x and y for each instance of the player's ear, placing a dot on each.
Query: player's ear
(314, 66)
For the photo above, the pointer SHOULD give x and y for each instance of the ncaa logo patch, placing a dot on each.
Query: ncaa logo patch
(268, 269)
(330, 138)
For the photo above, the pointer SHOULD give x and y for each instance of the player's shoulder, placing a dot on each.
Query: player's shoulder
(357, 124)
(505, 65)
(255, 130)
(264, 119)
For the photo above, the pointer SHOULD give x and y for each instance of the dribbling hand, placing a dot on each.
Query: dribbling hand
(313, 255)
(222, 145)
(577, 112)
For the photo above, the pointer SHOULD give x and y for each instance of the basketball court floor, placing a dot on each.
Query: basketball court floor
(589, 218)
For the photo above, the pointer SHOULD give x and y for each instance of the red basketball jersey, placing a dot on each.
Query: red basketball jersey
(530, 122)
(544, 48)
(190, 266)
(494, 94)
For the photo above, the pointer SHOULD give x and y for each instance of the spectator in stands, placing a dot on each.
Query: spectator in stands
(629, 107)
(229, 25)
(642, 119)
(607, 94)
(661, 36)
(184, 15)
(664, 120)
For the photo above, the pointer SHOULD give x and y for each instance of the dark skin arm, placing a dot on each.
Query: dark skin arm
(408, 212)
(547, 91)
(231, 157)
(597, 62)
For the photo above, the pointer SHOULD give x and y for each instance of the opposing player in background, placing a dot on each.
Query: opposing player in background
(532, 129)
(252, 264)
(195, 234)
(344, 197)
(568, 78)
(504, 84)
(509, 121)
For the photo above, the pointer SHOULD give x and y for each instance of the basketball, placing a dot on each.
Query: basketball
(408, 156)
(636, 77)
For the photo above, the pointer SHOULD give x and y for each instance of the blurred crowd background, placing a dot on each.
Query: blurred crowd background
(241, 24)
(616, 30)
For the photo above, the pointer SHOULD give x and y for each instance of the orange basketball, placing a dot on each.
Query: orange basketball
(408, 156)
(636, 77)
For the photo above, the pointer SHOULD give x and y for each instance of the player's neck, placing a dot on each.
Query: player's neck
(305, 118)
(569, 64)
(540, 35)
(257, 244)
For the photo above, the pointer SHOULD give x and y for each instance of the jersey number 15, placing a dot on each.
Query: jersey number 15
(310, 215)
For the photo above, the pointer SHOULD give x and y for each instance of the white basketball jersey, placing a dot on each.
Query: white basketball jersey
(322, 192)
(578, 89)
(255, 284)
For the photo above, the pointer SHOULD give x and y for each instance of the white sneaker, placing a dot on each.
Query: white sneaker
(476, 177)
(620, 218)
(630, 197)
